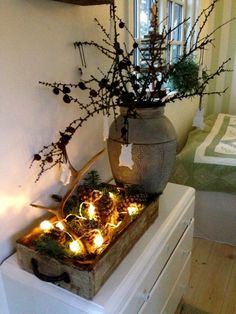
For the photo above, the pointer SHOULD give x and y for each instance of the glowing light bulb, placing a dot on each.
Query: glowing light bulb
(98, 240)
(132, 209)
(112, 195)
(91, 211)
(46, 225)
(75, 247)
(60, 225)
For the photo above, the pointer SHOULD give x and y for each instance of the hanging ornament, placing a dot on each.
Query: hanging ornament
(65, 173)
(105, 127)
(125, 158)
(198, 120)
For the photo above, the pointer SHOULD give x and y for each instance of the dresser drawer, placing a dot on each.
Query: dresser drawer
(182, 223)
(156, 299)
(179, 289)
(158, 259)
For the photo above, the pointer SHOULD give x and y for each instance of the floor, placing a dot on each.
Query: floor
(212, 285)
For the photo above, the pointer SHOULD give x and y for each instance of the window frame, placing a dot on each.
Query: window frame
(190, 9)
(173, 42)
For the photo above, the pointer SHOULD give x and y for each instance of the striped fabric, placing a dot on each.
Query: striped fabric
(224, 48)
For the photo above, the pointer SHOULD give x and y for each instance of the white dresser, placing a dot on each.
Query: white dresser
(150, 280)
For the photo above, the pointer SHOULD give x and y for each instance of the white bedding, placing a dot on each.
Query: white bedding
(215, 216)
(226, 145)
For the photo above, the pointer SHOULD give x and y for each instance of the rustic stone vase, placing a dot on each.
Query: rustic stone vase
(153, 149)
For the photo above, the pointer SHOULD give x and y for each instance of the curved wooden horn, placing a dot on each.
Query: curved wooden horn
(59, 210)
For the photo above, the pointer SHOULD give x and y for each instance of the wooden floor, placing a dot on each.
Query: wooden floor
(212, 285)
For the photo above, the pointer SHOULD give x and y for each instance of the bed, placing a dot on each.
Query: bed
(208, 163)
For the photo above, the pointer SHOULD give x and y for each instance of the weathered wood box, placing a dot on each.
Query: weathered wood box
(85, 280)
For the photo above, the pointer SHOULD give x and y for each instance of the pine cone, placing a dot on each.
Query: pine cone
(139, 199)
(85, 193)
(104, 205)
(92, 224)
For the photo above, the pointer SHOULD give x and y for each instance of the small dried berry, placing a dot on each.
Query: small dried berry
(49, 159)
(65, 139)
(66, 99)
(56, 91)
(93, 93)
(121, 25)
(37, 157)
(82, 85)
(103, 82)
(66, 90)
(135, 45)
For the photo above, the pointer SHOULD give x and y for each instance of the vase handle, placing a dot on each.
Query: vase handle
(63, 277)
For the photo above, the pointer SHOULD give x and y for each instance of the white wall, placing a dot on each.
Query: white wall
(181, 115)
(37, 44)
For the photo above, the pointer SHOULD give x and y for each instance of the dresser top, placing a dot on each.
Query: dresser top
(171, 205)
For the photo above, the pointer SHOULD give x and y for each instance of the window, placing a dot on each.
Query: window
(175, 15)
(142, 17)
(171, 13)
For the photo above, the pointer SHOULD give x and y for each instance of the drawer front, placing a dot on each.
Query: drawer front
(158, 296)
(179, 289)
(157, 261)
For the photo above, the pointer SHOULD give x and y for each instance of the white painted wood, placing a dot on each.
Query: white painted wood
(162, 288)
(28, 295)
(154, 263)
(178, 289)
(3, 300)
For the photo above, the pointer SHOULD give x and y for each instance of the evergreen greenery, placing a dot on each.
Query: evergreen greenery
(46, 245)
(92, 179)
(185, 76)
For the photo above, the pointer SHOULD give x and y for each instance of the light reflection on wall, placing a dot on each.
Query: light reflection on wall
(12, 201)
(16, 212)
(16, 216)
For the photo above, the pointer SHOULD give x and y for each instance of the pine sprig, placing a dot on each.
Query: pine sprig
(92, 179)
(47, 245)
